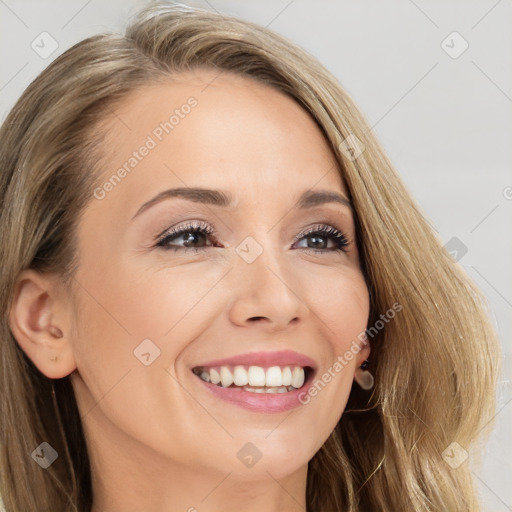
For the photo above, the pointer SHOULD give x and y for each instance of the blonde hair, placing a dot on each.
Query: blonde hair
(435, 364)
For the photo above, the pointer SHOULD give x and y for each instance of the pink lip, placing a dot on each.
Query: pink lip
(260, 402)
(265, 359)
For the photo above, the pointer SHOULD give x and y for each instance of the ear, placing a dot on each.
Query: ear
(38, 321)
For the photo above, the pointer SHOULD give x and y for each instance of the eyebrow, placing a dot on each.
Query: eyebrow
(308, 199)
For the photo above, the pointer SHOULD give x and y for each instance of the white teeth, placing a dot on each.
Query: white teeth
(280, 389)
(298, 377)
(273, 376)
(274, 389)
(214, 376)
(240, 377)
(256, 375)
(286, 376)
(226, 377)
(255, 379)
(256, 390)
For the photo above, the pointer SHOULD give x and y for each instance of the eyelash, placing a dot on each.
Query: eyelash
(340, 239)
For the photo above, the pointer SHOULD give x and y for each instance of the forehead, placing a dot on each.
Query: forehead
(218, 130)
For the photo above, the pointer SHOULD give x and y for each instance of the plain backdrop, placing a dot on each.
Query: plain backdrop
(434, 80)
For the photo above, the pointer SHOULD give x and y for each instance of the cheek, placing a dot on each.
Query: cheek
(124, 359)
(155, 300)
(124, 306)
(347, 320)
(341, 301)
(342, 306)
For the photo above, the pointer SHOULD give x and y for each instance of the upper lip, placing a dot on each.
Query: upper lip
(264, 358)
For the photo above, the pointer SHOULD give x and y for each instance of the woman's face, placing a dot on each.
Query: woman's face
(251, 286)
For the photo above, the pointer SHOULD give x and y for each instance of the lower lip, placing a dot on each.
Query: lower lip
(259, 402)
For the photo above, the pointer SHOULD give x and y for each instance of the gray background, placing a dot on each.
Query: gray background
(445, 122)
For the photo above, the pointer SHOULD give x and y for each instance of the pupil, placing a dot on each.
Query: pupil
(316, 238)
(190, 237)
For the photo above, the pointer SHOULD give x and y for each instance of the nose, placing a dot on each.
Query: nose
(266, 292)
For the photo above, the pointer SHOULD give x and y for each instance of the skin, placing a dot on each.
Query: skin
(157, 440)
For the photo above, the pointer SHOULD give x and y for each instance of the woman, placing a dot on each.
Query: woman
(202, 242)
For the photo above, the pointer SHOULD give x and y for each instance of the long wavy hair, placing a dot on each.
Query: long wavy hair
(435, 364)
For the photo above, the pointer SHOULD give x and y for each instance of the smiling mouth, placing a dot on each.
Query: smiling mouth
(255, 379)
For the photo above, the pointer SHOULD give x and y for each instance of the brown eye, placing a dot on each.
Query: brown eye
(192, 235)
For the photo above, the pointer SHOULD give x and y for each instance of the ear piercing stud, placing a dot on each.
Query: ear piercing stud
(363, 377)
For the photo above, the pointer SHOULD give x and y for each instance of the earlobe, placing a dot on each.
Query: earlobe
(38, 323)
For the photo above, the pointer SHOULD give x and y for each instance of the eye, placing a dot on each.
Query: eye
(192, 234)
(321, 235)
